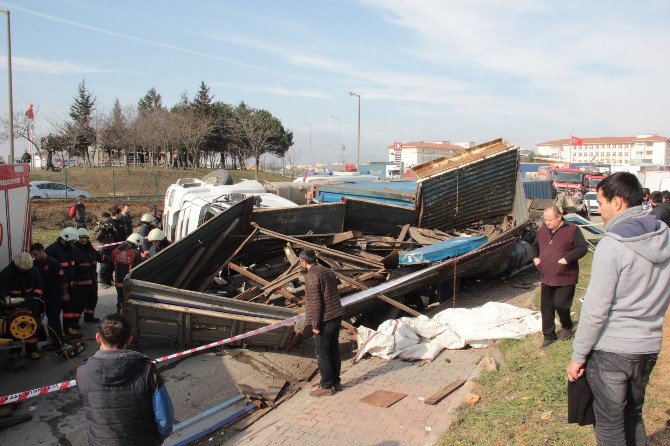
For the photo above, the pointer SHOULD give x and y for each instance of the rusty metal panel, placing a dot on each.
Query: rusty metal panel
(376, 218)
(321, 219)
(478, 184)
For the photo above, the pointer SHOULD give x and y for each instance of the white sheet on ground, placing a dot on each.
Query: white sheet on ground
(422, 338)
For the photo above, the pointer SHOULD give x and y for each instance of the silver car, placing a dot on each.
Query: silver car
(591, 202)
(51, 189)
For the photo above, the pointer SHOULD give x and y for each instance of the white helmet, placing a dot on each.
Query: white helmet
(156, 235)
(69, 234)
(148, 218)
(135, 239)
(23, 261)
(82, 232)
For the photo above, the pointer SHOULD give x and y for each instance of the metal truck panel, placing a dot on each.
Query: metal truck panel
(321, 219)
(376, 218)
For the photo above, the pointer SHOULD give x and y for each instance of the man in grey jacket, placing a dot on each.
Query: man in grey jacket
(620, 327)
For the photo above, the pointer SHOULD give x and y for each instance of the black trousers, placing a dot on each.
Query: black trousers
(106, 268)
(558, 299)
(87, 298)
(72, 309)
(119, 298)
(54, 307)
(328, 352)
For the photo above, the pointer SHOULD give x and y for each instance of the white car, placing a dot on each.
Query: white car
(591, 203)
(51, 189)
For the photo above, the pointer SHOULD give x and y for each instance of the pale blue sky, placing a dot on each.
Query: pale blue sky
(428, 70)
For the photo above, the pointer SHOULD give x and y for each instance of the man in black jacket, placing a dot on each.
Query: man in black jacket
(78, 212)
(63, 251)
(105, 234)
(659, 208)
(125, 399)
(323, 310)
(55, 287)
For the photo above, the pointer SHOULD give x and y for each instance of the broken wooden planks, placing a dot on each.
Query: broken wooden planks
(444, 392)
(251, 276)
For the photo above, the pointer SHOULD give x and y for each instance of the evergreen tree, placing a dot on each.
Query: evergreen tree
(80, 131)
(202, 103)
(151, 101)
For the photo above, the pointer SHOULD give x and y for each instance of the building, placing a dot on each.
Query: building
(620, 150)
(409, 154)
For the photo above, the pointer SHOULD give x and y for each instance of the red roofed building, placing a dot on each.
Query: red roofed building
(616, 150)
(409, 154)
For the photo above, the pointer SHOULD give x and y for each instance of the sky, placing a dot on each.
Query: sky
(429, 70)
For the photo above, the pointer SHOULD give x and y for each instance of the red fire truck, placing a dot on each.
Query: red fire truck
(571, 181)
(592, 181)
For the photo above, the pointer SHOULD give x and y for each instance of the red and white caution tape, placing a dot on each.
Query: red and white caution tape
(15, 397)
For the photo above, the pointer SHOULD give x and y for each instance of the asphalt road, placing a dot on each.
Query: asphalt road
(195, 383)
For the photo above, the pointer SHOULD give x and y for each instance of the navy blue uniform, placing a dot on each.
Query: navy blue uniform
(64, 254)
(86, 266)
(125, 258)
(53, 278)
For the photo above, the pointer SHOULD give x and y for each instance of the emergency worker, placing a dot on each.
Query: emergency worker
(63, 251)
(119, 226)
(20, 279)
(153, 210)
(148, 222)
(125, 258)
(85, 271)
(158, 242)
(55, 288)
(105, 233)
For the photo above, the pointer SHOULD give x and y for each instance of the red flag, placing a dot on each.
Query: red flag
(574, 141)
(30, 113)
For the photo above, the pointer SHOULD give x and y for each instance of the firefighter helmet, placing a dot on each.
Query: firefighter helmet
(148, 218)
(82, 232)
(135, 239)
(69, 234)
(156, 235)
(23, 261)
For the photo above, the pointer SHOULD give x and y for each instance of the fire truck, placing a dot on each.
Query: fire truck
(592, 181)
(570, 181)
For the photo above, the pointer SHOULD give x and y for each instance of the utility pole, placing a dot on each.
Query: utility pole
(358, 145)
(9, 85)
(310, 144)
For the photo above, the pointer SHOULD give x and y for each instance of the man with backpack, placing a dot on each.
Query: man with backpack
(78, 213)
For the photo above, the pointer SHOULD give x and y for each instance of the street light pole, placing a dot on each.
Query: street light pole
(310, 144)
(9, 85)
(339, 134)
(358, 145)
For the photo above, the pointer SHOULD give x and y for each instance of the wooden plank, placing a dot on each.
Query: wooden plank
(403, 233)
(444, 392)
(338, 238)
(317, 248)
(248, 294)
(350, 328)
(251, 276)
(208, 255)
(383, 398)
(383, 297)
(291, 256)
(189, 267)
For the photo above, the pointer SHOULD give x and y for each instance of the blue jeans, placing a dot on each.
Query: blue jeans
(618, 382)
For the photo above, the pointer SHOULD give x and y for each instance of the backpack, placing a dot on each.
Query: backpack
(72, 211)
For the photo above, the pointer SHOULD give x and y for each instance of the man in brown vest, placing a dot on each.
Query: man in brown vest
(558, 247)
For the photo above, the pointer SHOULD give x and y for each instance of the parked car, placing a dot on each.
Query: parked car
(51, 189)
(591, 203)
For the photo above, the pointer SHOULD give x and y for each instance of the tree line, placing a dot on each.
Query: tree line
(190, 134)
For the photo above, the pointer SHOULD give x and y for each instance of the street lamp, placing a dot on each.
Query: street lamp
(339, 136)
(9, 85)
(358, 145)
(310, 144)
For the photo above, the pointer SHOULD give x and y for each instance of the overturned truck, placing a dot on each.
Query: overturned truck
(239, 271)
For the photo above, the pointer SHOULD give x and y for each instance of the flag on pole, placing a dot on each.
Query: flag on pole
(30, 113)
(574, 141)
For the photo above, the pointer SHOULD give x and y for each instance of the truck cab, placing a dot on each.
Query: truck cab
(570, 181)
(592, 181)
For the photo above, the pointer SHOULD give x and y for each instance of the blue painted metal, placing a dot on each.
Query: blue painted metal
(538, 189)
(208, 412)
(587, 224)
(216, 426)
(335, 197)
(399, 193)
(444, 250)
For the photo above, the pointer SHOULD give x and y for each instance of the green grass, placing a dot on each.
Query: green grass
(150, 181)
(531, 383)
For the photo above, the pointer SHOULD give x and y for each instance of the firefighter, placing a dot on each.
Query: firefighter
(85, 271)
(125, 258)
(148, 223)
(119, 226)
(105, 233)
(55, 289)
(21, 279)
(63, 251)
(158, 242)
(153, 210)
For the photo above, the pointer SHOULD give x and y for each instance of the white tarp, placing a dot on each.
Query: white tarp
(422, 338)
